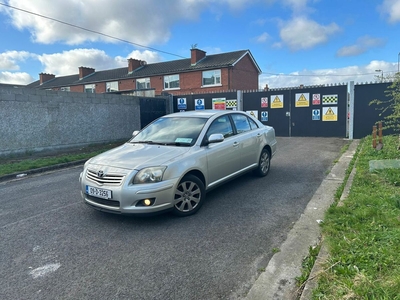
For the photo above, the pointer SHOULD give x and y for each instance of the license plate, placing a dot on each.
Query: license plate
(100, 193)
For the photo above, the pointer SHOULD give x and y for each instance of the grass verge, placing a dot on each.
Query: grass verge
(14, 165)
(363, 235)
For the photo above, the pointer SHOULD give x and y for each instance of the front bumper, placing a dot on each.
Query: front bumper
(127, 198)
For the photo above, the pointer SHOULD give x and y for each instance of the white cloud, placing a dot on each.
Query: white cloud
(68, 62)
(262, 38)
(297, 5)
(9, 59)
(15, 78)
(358, 74)
(391, 9)
(302, 33)
(148, 56)
(127, 21)
(101, 16)
(362, 45)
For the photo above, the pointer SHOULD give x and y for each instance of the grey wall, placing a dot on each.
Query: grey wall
(38, 120)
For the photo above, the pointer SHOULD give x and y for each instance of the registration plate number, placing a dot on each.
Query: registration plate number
(100, 193)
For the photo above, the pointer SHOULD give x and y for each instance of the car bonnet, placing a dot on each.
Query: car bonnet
(138, 156)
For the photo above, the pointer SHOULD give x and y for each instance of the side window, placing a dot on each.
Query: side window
(253, 124)
(241, 123)
(221, 125)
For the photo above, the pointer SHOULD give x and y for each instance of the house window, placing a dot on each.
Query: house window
(89, 88)
(171, 82)
(143, 83)
(212, 77)
(112, 86)
(66, 89)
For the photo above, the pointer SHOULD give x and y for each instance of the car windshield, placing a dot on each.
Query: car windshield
(178, 131)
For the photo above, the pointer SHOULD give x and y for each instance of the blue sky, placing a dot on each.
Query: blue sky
(294, 42)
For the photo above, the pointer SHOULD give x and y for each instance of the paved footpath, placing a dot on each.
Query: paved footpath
(278, 281)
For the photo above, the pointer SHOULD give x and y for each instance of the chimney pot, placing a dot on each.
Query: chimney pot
(44, 77)
(196, 55)
(84, 71)
(134, 64)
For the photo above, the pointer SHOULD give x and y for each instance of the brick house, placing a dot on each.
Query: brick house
(200, 73)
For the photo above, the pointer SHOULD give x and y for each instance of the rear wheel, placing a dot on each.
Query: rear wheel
(264, 163)
(189, 196)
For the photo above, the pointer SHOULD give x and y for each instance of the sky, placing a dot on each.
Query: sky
(294, 42)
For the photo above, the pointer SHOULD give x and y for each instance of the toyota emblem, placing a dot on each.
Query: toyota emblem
(100, 174)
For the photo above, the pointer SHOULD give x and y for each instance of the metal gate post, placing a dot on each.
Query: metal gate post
(239, 102)
(289, 114)
(350, 114)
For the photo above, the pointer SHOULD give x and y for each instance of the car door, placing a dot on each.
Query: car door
(223, 159)
(249, 139)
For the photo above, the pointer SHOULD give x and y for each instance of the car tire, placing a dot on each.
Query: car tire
(264, 163)
(189, 196)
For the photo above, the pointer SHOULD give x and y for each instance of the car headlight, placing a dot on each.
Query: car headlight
(149, 175)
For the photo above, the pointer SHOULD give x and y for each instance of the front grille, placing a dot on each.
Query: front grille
(107, 202)
(108, 179)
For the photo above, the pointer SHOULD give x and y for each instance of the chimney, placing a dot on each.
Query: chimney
(84, 71)
(196, 55)
(133, 64)
(46, 77)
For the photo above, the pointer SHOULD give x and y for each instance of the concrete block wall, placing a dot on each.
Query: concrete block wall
(38, 120)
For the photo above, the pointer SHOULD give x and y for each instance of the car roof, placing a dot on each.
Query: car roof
(205, 113)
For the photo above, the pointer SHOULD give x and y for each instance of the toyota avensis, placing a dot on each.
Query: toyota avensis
(171, 163)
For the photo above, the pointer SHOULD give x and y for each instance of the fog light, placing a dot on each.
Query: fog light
(146, 202)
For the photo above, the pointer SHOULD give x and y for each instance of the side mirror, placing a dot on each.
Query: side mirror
(135, 133)
(215, 138)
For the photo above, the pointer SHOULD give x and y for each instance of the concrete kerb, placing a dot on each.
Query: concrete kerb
(41, 170)
(279, 279)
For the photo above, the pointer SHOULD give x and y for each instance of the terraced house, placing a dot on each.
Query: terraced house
(200, 73)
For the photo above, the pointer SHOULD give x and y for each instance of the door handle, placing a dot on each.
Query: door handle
(235, 144)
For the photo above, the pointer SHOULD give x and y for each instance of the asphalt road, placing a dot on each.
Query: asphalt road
(55, 247)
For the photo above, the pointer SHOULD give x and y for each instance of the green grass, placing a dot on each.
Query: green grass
(14, 164)
(307, 265)
(276, 250)
(363, 235)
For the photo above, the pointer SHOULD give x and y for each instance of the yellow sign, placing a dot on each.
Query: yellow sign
(276, 101)
(329, 114)
(253, 113)
(302, 100)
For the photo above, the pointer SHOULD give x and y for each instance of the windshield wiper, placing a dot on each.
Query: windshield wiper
(147, 142)
(177, 144)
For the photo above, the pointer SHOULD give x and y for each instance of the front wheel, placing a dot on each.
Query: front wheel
(189, 196)
(264, 163)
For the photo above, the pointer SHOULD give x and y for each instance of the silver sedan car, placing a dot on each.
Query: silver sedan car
(171, 163)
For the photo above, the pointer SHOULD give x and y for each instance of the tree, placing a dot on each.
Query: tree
(391, 105)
